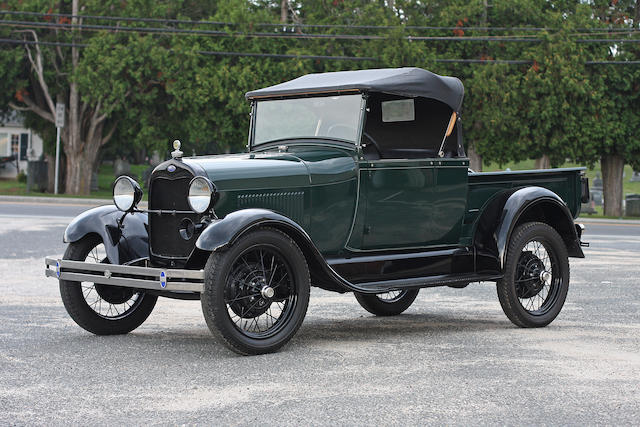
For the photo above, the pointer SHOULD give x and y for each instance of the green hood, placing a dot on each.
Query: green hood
(301, 167)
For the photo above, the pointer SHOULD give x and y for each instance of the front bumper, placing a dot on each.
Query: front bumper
(126, 276)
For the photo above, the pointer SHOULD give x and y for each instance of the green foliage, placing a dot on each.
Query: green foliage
(158, 87)
(22, 177)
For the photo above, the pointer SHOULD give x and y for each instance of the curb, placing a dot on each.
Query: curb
(60, 201)
(607, 221)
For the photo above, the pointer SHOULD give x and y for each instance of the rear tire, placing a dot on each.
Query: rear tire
(388, 303)
(536, 276)
(256, 293)
(102, 309)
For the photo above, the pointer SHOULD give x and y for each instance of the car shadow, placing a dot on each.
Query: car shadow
(196, 342)
(376, 328)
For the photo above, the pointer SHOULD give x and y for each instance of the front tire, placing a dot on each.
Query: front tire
(536, 276)
(256, 293)
(102, 309)
(389, 303)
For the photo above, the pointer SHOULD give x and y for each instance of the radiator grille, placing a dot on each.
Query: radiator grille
(289, 203)
(170, 193)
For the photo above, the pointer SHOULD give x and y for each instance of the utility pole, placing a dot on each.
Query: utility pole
(284, 11)
(475, 159)
(59, 126)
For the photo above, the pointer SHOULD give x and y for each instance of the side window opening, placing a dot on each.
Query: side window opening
(406, 128)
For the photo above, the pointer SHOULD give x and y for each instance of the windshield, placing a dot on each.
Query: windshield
(335, 117)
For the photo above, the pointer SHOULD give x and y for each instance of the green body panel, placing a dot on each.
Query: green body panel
(350, 205)
(484, 186)
(410, 203)
(314, 185)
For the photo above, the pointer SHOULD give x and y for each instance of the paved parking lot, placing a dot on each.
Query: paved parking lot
(453, 358)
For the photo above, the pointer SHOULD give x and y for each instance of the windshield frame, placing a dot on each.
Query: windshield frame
(360, 126)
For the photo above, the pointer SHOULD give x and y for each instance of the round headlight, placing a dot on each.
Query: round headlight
(126, 193)
(201, 194)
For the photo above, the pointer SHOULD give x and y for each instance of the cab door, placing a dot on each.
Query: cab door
(412, 203)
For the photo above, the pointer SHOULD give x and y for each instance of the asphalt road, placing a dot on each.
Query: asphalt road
(453, 358)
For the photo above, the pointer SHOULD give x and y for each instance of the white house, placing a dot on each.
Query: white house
(21, 143)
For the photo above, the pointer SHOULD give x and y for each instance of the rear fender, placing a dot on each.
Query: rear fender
(122, 244)
(509, 209)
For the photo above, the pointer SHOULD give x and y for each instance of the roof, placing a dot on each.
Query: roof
(409, 82)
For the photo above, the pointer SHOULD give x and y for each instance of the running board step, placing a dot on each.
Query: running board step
(422, 282)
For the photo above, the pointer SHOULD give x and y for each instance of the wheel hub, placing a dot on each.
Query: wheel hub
(250, 295)
(267, 292)
(532, 276)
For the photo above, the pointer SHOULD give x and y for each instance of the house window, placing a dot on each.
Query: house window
(4, 145)
(15, 145)
(24, 145)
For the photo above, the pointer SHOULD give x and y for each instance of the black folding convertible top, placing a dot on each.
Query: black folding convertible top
(409, 82)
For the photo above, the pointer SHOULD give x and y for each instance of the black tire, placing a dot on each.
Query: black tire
(235, 304)
(529, 296)
(389, 303)
(136, 306)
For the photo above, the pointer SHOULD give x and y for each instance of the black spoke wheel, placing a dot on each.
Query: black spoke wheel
(102, 309)
(536, 276)
(256, 293)
(389, 303)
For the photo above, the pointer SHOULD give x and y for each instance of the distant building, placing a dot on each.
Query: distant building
(19, 143)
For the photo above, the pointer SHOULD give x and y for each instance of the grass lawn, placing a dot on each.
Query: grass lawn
(11, 187)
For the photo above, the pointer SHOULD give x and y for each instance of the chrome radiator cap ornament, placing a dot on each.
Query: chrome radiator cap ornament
(176, 153)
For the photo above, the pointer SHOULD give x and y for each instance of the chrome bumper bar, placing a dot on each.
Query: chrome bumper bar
(126, 275)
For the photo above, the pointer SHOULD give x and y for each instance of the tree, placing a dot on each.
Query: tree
(97, 83)
(613, 122)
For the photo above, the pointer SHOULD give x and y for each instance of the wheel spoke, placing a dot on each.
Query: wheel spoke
(250, 311)
(535, 291)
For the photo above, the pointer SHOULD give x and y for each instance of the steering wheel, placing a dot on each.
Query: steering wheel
(373, 143)
(348, 129)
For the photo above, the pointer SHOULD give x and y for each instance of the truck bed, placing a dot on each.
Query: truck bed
(565, 182)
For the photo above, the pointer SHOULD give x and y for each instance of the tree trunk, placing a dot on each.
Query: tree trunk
(475, 159)
(79, 170)
(543, 162)
(612, 168)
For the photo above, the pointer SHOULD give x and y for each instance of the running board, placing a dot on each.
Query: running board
(422, 282)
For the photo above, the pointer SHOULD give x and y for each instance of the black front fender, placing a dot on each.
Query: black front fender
(223, 232)
(122, 244)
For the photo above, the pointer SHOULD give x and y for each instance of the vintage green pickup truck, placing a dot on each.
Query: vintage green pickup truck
(353, 181)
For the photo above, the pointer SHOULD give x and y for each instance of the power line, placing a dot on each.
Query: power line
(283, 56)
(322, 57)
(485, 61)
(272, 25)
(294, 25)
(44, 43)
(608, 41)
(208, 52)
(612, 63)
(67, 26)
(217, 33)
(286, 56)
